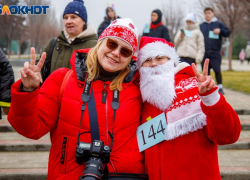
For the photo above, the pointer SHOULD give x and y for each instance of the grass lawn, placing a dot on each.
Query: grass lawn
(236, 80)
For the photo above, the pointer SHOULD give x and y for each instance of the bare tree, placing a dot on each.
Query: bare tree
(22, 35)
(42, 27)
(11, 25)
(246, 4)
(232, 13)
(245, 29)
(173, 15)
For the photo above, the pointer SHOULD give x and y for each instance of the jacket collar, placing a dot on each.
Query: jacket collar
(192, 27)
(154, 26)
(79, 67)
(214, 19)
(87, 32)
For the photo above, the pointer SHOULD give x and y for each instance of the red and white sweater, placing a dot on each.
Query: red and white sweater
(197, 124)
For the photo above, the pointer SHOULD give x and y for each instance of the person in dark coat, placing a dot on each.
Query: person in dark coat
(213, 31)
(108, 19)
(156, 29)
(6, 80)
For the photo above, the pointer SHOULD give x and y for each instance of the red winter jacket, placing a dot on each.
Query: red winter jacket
(35, 114)
(191, 156)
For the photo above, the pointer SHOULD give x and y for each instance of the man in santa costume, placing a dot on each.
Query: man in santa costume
(198, 117)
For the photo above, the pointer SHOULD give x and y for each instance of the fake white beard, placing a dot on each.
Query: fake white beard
(157, 85)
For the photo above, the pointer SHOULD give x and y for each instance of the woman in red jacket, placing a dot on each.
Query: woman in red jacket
(107, 74)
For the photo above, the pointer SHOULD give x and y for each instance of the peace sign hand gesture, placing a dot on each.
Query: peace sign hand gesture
(30, 74)
(205, 82)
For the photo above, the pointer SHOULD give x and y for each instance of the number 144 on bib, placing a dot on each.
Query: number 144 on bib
(152, 132)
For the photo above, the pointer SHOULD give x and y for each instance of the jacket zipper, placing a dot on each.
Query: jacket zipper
(209, 46)
(104, 94)
(104, 100)
(57, 57)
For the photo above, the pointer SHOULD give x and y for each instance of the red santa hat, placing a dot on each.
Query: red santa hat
(151, 47)
(123, 29)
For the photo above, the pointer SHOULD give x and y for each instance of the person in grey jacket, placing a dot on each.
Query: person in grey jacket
(6, 80)
(213, 31)
(190, 41)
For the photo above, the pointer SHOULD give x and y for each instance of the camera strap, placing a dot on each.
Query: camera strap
(115, 105)
(94, 128)
(88, 98)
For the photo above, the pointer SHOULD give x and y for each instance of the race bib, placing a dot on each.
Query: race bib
(213, 36)
(152, 132)
(188, 33)
(146, 28)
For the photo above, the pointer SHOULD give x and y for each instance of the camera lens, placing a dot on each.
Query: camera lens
(93, 169)
(95, 154)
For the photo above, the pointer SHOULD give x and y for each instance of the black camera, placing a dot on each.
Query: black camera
(95, 154)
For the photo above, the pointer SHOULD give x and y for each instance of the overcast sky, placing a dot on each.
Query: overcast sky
(138, 10)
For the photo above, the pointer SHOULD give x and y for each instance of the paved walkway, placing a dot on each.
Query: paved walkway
(238, 100)
(236, 65)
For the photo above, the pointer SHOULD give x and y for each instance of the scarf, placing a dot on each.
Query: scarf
(154, 26)
(185, 114)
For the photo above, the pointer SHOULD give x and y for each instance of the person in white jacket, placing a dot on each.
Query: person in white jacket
(190, 41)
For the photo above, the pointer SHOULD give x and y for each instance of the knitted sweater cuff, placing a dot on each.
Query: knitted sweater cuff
(210, 98)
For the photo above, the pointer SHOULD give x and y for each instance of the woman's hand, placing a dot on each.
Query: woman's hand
(30, 74)
(205, 82)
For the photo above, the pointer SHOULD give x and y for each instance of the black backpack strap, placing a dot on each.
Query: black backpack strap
(47, 64)
(52, 48)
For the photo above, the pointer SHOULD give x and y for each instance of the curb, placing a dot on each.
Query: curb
(231, 176)
(245, 126)
(235, 146)
(23, 174)
(23, 177)
(242, 111)
(24, 147)
(7, 128)
(233, 173)
(41, 147)
(43, 176)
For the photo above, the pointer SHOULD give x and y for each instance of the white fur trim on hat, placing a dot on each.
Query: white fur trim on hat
(151, 50)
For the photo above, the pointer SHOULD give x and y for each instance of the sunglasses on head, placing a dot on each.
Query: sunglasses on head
(113, 45)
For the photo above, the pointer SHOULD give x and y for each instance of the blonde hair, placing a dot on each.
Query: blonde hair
(93, 69)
